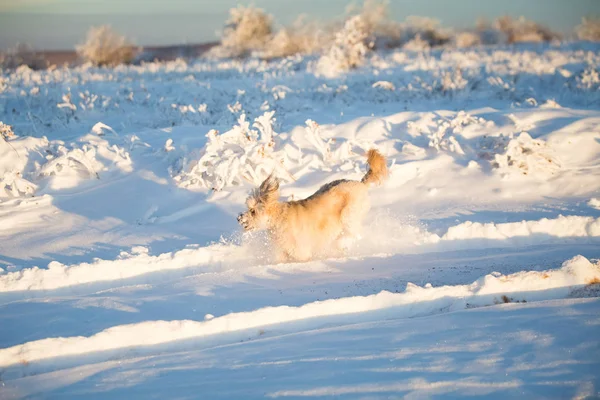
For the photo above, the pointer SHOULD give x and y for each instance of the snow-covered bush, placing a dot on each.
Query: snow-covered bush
(523, 30)
(6, 132)
(443, 134)
(22, 54)
(18, 157)
(467, 39)
(589, 29)
(247, 29)
(452, 81)
(247, 154)
(300, 38)
(524, 155)
(12, 166)
(307, 38)
(237, 156)
(385, 32)
(104, 46)
(66, 165)
(27, 162)
(504, 30)
(350, 48)
(417, 43)
(421, 32)
(386, 85)
(330, 153)
(589, 79)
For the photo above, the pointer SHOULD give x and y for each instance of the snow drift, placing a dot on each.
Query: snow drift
(139, 261)
(414, 301)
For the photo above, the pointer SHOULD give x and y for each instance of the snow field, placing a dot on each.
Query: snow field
(139, 262)
(121, 260)
(414, 301)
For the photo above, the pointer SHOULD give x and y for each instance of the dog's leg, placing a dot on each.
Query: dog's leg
(282, 257)
(351, 234)
(352, 219)
(352, 227)
(344, 243)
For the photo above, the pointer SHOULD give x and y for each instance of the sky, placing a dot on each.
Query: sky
(61, 24)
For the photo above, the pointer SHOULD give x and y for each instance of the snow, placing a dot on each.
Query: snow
(139, 262)
(124, 274)
(414, 301)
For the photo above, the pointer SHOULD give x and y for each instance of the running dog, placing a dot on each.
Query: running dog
(328, 219)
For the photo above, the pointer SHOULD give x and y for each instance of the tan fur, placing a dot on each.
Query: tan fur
(303, 229)
(377, 168)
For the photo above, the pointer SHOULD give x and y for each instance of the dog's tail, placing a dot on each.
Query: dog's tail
(378, 170)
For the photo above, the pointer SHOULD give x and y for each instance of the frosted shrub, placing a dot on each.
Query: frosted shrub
(314, 137)
(589, 79)
(488, 34)
(26, 162)
(524, 155)
(283, 44)
(66, 165)
(444, 137)
(349, 50)
(328, 153)
(246, 30)
(467, 39)
(300, 38)
(386, 85)
(6, 132)
(523, 30)
(589, 29)
(248, 153)
(239, 155)
(22, 54)
(453, 81)
(76, 162)
(421, 32)
(386, 33)
(18, 156)
(417, 44)
(103, 46)
(13, 184)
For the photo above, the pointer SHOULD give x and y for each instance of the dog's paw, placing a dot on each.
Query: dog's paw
(345, 243)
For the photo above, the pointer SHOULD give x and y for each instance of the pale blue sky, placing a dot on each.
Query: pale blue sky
(60, 24)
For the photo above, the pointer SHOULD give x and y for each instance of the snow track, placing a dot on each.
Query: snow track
(217, 258)
(414, 301)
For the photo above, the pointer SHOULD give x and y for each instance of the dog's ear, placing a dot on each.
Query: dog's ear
(251, 202)
(269, 189)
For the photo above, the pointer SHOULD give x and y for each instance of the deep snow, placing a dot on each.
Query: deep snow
(123, 272)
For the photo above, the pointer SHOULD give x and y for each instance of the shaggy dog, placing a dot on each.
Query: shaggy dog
(327, 220)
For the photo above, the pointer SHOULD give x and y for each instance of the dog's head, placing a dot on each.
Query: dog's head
(260, 205)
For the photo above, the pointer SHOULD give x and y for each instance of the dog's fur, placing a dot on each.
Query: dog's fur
(305, 228)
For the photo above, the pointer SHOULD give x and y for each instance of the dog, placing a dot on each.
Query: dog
(329, 219)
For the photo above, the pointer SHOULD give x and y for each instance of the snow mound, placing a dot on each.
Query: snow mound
(594, 203)
(563, 226)
(68, 165)
(135, 263)
(385, 85)
(28, 162)
(18, 160)
(525, 286)
(388, 234)
(385, 234)
(445, 134)
(526, 156)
